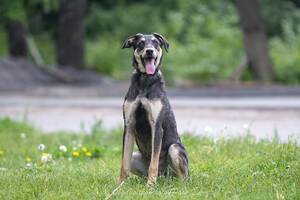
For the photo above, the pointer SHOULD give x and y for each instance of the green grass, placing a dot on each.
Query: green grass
(239, 168)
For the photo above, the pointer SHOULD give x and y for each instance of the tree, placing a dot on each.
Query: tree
(71, 33)
(12, 16)
(16, 34)
(255, 40)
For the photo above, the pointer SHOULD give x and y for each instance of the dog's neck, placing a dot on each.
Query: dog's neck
(146, 83)
(145, 80)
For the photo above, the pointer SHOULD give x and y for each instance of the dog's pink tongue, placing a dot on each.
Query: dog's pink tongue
(150, 66)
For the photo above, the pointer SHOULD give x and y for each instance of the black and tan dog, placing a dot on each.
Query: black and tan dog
(148, 117)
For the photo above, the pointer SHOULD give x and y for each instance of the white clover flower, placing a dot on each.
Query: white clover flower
(28, 165)
(3, 169)
(205, 175)
(41, 147)
(23, 135)
(46, 157)
(63, 148)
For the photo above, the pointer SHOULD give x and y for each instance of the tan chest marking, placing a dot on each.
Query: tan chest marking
(129, 108)
(153, 108)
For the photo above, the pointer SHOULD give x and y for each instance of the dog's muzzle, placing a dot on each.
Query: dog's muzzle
(149, 61)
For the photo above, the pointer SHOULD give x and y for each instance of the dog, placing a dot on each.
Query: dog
(148, 117)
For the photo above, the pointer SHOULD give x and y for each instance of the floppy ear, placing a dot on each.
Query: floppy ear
(162, 40)
(129, 42)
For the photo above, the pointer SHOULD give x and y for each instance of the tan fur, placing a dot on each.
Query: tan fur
(177, 162)
(139, 61)
(157, 54)
(127, 154)
(153, 108)
(173, 153)
(129, 109)
(153, 168)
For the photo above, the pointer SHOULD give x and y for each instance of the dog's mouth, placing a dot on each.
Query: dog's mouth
(149, 64)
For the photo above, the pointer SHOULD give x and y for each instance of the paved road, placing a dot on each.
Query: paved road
(215, 117)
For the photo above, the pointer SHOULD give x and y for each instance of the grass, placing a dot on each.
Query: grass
(239, 168)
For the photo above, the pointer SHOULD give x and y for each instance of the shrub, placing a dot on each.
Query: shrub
(286, 54)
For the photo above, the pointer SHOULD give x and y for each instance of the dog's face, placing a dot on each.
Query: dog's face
(147, 51)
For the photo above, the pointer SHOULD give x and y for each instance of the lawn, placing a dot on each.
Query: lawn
(239, 168)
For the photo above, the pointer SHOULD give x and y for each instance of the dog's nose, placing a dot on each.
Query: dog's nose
(149, 51)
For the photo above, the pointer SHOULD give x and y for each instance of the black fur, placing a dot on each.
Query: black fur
(152, 87)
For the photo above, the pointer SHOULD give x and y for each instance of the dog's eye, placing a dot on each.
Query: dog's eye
(155, 43)
(141, 44)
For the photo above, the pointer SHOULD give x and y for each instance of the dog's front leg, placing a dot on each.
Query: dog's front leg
(128, 143)
(154, 108)
(128, 138)
(155, 154)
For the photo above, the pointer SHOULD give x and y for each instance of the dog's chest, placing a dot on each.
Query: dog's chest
(152, 108)
(141, 116)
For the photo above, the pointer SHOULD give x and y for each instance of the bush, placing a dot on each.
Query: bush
(203, 47)
(286, 54)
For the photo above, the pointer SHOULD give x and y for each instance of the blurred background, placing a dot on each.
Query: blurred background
(235, 62)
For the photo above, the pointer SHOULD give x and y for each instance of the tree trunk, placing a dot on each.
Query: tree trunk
(16, 34)
(255, 40)
(71, 33)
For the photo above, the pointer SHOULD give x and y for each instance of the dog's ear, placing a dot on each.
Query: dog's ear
(130, 41)
(162, 40)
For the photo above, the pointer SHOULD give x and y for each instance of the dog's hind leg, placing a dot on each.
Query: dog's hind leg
(178, 160)
(138, 165)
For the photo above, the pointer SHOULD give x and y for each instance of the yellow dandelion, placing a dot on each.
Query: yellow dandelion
(88, 154)
(45, 154)
(84, 150)
(28, 159)
(75, 154)
(1, 153)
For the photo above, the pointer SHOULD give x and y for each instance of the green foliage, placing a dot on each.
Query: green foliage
(122, 21)
(286, 54)
(202, 45)
(105, 56)
(276, 12)
(46, 46)
(237, 168)
(3, 41)
(205, 37)
(12, 10)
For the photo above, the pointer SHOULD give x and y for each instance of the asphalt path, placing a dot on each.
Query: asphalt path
(262, 116)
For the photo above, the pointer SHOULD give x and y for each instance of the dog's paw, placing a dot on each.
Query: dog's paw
(151, 181)
(121, 179)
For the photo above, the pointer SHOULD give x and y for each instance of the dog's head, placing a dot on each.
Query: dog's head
(147, 55)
